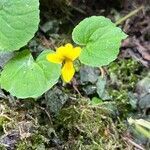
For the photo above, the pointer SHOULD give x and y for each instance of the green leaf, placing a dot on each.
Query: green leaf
(141, 125)
(24, 77)
(19, 21)
(96, 101)
(101, 89)
(100, 39)
(83, 31)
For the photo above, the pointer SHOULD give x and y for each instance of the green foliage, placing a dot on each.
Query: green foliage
(124, 75)
(100, 39)
(90, 126)
(19, 21)
(35, 142)
(2, 147)
(3, 119)
(96, 101)
(23, 77)
(125, 71)
(141, 125)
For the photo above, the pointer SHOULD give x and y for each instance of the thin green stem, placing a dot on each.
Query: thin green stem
(132, 13)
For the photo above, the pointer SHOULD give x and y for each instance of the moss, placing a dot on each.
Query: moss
(89, 127)
(36, 141)
(127, 71)
(79, 125)
(23, 118)
(124, 75)
(2, 147)
(4, 119)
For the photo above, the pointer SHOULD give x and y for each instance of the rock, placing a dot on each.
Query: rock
(143, 86)
(10, 140)
(89, 89)
(143, 93)
(55, 99)
(88, 75)
(144, 102)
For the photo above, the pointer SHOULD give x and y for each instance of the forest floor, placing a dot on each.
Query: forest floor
(96, 110)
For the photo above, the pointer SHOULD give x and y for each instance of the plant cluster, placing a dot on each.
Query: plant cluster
(98, 41)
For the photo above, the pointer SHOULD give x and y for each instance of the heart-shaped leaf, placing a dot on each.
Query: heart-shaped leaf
(19, 21)
(100, 39)
(24, 77)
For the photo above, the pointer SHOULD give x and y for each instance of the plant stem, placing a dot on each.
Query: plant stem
(132, 13)
(102, 72)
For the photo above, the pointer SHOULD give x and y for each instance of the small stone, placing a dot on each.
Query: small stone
(88, 75)
(10, 139)
(143, 93)
(55, 99)
(89, 89)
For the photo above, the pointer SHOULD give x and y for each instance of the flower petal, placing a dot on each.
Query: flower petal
(65, 50)
(72, 54)
(55, 58)
(69, 52)
(76, 53)
(68, 71)
(69, 46)
(60, 49)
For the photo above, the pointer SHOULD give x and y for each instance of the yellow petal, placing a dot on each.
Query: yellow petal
(55, 58)
(68, 52)
(69, 46)
(68, 71)
(72, 54)
(77, 52)
(64, 50)
(60, 49)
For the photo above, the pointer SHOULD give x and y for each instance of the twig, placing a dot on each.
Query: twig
(79, 10)
(133, 143)
(75, 87)
(49, 117)
(132, 13)
(8, 118)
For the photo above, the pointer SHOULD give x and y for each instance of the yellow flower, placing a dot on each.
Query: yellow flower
(65, 55)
